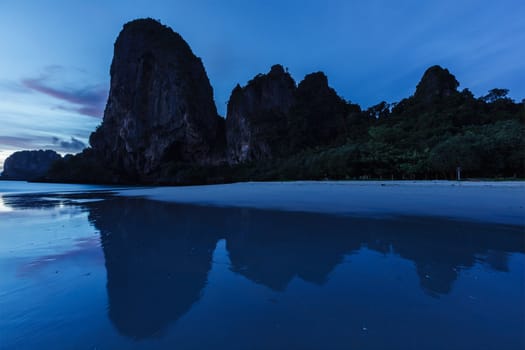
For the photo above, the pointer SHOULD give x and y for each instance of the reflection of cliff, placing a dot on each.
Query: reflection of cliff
(272, 248)
(156, 263)
(158, 255)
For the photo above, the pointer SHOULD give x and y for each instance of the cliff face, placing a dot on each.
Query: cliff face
(160, 110)
(319, 114)
(160, 107)
(28, 165)
(256, 123)
(271, 117)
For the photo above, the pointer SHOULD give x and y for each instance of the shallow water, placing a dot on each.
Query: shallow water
(86, 271)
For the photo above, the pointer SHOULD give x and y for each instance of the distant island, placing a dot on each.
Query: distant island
(161, 126)
(28, 165)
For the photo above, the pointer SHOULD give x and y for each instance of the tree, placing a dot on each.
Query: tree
(495, 95)
(381, 110)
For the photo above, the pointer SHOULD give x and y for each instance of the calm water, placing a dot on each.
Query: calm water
(95, 271)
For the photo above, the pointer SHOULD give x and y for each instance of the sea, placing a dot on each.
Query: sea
(83, 267)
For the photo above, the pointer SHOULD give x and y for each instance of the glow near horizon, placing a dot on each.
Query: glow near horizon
(54, 67)
(4, 208)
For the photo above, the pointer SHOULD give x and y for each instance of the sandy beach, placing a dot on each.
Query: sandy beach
(493, 202)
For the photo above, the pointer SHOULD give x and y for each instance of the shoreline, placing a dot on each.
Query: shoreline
(500, 202)
(496, 202)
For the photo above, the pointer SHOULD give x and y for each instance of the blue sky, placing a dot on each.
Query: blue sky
(55, 54)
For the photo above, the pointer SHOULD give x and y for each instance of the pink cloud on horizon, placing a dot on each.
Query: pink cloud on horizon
(89, 101)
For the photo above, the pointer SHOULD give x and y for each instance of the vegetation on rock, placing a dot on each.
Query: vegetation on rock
(277, 130)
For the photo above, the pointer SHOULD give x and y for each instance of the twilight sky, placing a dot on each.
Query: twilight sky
(55, 54)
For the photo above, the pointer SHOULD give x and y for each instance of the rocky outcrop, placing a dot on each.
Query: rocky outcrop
(28, 165)
(435, 84)
(161, 112)
(272, 117)
(160, 108)
(319, 114)
(257, 117)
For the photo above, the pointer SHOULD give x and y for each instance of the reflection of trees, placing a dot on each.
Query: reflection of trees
(440, 249)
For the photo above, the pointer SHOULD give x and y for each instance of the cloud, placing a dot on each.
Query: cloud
(73, 145)
(88, 100)
(92, 111)
(35, 142)
(15, 141)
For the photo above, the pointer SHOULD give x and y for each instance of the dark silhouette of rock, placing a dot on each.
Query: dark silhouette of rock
(28, 165)
(256, 124)
(272, 117)
(161, 126)
(435, 84)
(318, 117)
(160, 107)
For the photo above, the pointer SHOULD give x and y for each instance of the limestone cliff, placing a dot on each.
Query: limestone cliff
(272, 117)
(319, 114)
(256, 123)
(28, 165)
(160, 107)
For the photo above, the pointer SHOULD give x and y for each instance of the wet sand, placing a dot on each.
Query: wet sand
(491, 202)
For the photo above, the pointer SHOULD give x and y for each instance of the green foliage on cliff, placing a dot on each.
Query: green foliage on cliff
(412, 140)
